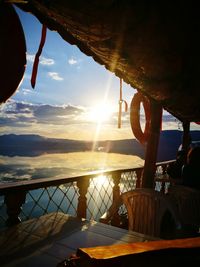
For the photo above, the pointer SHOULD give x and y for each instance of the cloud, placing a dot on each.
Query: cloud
(58, 115)
(30, 58)
(15, 113)
(15, 107)
(72, 61)
(46, 61)
(55, 76)
(67, 121)
(43, 60)
(26, 91)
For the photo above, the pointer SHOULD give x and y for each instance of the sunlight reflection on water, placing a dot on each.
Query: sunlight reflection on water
(100, 190)
(101, 180)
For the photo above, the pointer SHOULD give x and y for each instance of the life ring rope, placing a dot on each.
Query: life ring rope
(121, 101)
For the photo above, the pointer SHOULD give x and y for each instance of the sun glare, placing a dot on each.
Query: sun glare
(102, 180)
(100, 113)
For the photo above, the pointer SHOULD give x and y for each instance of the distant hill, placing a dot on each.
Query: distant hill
(35, 145)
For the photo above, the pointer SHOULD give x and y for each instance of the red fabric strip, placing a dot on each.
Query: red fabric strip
(36, 61)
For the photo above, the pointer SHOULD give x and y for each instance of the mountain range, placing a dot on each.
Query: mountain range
(35, 145)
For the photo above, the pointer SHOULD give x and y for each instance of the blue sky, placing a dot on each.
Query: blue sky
(65, 74)
(69, 92)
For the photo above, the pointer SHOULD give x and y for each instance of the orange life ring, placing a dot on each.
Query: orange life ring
(140, 135)
(12, 51)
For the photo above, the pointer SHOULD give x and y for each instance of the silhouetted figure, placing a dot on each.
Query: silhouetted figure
(175, 169)
(191, 171)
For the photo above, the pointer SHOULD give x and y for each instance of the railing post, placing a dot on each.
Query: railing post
(82, 200)
(14, 201)
(116, 189)
(112, 216)
(115, 220)
(139, 178)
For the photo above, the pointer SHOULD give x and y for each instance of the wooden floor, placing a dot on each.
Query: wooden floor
(48, 240)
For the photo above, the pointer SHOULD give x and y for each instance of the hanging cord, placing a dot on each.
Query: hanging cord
(36, 61)
(121, 101)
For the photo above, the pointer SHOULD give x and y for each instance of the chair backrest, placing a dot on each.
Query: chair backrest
(146, 209)
(188, 204)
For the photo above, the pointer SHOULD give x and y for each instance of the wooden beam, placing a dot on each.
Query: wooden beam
(152, 145)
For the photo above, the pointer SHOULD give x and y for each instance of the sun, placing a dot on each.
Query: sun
(100, 113)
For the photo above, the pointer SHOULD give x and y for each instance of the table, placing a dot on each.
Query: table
(49, 239)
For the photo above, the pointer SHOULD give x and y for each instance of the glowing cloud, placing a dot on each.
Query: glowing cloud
(100, 113)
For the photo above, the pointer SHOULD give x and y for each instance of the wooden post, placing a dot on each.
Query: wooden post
(116, 188)
(111, 216)
(82, 200)
(116, 221)
(152, 145)
(14, 201)
(139, 178)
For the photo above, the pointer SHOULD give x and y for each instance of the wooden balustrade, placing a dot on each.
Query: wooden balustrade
(15, 193)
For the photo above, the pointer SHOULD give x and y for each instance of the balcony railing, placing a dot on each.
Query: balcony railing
(88, 196)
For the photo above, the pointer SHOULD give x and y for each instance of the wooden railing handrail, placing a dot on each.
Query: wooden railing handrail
(52, 181)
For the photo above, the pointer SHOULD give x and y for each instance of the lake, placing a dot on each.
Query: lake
(65, 196)
(63, 165)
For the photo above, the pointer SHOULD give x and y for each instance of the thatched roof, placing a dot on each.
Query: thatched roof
(153, 45)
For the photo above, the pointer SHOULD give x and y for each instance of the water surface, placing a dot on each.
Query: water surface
(63, 165)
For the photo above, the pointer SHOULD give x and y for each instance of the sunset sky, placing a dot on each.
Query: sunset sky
(74, 97)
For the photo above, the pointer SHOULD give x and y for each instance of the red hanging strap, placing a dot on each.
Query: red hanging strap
(121, 101)
(36, 61)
